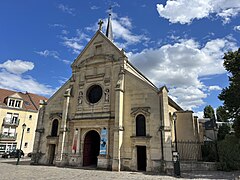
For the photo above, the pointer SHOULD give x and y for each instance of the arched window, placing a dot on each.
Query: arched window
(140, 125)
(54, 132)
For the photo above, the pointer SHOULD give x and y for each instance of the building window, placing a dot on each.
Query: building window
(140, 125)
(94, 94)
(54, 131)
(17, 104)
(11, 102)
(25, 144)
(15, 118)
(28, 130)
(8, 118)
(30, 117)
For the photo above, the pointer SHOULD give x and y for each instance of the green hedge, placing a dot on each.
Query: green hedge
(229, 153)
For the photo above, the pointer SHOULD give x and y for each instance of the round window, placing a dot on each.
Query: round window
(94, 93)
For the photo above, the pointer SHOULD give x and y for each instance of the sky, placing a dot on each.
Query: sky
(177, 43)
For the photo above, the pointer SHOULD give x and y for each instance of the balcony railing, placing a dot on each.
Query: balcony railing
(8, 137)
(11, 121)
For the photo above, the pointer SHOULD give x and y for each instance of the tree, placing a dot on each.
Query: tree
(231, 94)
(222, 114)
(223, 131)
(209, 112)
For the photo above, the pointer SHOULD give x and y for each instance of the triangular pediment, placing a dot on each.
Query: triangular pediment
(99, 46)
(15, 96)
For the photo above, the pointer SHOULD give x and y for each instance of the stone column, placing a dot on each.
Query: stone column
(118, 127)
(166, 128)
(63, 148)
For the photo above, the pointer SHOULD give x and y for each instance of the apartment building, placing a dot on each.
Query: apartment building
(16, 109)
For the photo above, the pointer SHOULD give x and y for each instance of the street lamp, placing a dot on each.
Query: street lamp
(19, 153)
(176, 163)
(175, 132)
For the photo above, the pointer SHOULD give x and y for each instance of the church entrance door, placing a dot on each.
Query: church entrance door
(91, 148)
(52, 148)
(141, 158)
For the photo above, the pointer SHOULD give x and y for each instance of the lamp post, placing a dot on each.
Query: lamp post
(19, 153)
(176, 163)
(175, 131)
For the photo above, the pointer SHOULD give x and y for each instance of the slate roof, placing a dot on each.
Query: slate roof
(30, 100)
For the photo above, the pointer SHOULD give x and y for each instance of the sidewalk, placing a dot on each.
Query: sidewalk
(9, 170)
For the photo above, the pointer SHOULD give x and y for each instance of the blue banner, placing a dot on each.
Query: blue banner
(103, 142)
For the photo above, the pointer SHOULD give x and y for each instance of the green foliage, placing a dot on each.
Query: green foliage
(222, 114)
(209, 151)
(229, 153)
(236, 127)
(231, 95)
(223, 131)
(209, 112)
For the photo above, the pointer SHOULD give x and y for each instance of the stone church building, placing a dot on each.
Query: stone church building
(109, 115)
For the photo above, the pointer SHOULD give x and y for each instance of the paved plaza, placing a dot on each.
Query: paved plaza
(24, 171)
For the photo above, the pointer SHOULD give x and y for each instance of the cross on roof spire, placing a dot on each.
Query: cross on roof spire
(100, 23)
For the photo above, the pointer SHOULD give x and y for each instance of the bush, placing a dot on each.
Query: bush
(209, 152)
(229, 153)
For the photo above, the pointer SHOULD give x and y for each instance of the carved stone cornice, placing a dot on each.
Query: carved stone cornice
(55, 115)
(138, 110)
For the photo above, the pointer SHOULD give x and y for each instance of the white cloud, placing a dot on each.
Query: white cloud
(237, 28)
(188, 97)
(122, 31)
(64, 32)
(66, 9)
(17, 66)
(47, 53)
(94, 7)
(57, 25)
(181, 65)
(199, 114)
(75, 46)
(185, 11)
(66, 61)
(11, 78)
(76, 42)
(214, 88)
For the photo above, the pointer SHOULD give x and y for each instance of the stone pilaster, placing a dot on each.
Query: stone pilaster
(63, 139)
(166, 128)
(118, 130)
(39, 131)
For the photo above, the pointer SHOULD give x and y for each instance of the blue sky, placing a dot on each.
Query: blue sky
(178, 43)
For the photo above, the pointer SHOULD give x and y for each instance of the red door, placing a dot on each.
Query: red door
(91, 148)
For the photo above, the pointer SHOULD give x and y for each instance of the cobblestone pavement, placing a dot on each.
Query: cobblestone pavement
(10, 171)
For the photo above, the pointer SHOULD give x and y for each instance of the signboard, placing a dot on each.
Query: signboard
(103, 142)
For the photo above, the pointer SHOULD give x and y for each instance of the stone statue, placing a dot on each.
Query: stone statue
(80, 97)
(107, 95)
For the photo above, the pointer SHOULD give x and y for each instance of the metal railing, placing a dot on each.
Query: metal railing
(190, 150)
(9, 136)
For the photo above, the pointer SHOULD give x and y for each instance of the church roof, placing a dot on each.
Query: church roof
(30, 101)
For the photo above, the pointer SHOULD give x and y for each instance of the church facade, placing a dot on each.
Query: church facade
(108, 115)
